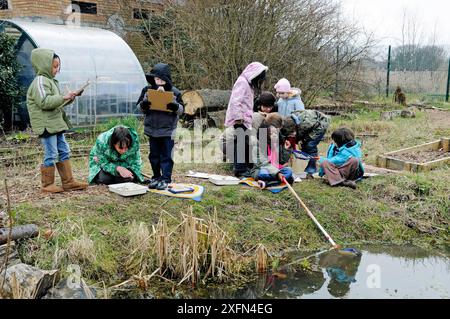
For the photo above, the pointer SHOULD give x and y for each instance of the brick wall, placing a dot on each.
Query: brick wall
(52, 11)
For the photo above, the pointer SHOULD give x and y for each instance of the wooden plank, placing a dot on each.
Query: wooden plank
(432, 146)
(395, 164)
(434, 164)
(389, 162)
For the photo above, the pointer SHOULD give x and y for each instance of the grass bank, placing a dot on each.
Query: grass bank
(114, 238)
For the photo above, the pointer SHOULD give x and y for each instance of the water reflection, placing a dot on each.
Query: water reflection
(341, 269)
(400, 271)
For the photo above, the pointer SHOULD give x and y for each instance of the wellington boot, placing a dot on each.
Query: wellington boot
(68, 182)
(48, 180)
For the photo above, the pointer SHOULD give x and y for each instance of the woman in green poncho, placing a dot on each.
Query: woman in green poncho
(115, 157)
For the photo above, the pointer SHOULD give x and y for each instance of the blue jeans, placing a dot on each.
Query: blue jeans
(309, 146)
(56, 149)
(161, 157)
(265, 176)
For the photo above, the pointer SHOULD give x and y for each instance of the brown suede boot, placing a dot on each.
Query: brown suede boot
(48, 180)
(68, 182)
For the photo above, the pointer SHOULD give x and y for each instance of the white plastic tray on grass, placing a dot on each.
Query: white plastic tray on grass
(198, 175)
(128, 189)
(224, 180)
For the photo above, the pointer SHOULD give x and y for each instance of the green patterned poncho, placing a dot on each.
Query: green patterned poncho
(109, 159)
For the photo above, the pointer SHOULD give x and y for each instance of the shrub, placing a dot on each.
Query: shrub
(9, 86)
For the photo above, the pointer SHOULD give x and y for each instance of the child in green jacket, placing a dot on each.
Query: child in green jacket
(45, 105)
(310, 127)
(115, 157)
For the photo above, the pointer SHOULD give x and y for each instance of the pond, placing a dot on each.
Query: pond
(385, 272)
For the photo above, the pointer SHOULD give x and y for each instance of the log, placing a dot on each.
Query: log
(334, 107)
(218, 118)
(18, 232)
(209, 100)
(369, 104)
(23, 281)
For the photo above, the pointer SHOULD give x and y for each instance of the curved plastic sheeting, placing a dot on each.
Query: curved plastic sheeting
(93, 54)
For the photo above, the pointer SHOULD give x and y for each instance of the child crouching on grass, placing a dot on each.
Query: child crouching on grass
(273, 156)
(115, 157)
(343, 164)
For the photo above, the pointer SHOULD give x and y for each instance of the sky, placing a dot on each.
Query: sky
(385, 18)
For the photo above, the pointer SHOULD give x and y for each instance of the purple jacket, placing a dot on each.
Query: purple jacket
(240, 106)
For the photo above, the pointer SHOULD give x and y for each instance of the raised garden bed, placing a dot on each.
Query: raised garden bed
(419, 158)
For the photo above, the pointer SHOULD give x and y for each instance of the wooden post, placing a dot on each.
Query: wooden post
(407, 166)
(446, 144)
(381, 161)
(448, 83)
(388, 71)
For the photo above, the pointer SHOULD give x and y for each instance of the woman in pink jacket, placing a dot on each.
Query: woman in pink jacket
(240, 112)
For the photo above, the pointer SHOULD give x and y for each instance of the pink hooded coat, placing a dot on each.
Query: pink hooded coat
(240, 106)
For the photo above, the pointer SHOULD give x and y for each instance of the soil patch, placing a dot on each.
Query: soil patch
(422, 156)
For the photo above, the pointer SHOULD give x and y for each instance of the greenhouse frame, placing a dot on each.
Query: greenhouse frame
(99, 56)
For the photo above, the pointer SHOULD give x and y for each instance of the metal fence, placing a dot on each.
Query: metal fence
(433, 83)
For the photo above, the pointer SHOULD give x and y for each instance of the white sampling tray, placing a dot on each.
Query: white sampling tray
(198, 175)
(224, 180)
(128, 189)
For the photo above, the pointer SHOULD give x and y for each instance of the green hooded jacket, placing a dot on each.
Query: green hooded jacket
(109, 159)
(44, 100)
(311, 124)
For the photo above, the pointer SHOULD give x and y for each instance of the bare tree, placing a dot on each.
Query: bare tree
(209, 42)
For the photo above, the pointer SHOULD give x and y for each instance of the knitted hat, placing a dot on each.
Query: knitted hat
(283, 86)
(266, 99)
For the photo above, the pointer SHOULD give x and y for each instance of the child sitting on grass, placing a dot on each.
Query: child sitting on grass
(343, 164)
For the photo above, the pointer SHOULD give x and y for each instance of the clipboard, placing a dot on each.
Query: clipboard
(85, 85)
(78, 92)
(180, 190)
(159, 100)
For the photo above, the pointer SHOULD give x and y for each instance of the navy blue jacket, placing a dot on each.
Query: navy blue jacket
(159, 123)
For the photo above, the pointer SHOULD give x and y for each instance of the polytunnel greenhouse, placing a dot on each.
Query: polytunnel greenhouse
(87, 54)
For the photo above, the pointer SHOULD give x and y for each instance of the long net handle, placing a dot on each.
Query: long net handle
(327, 236)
